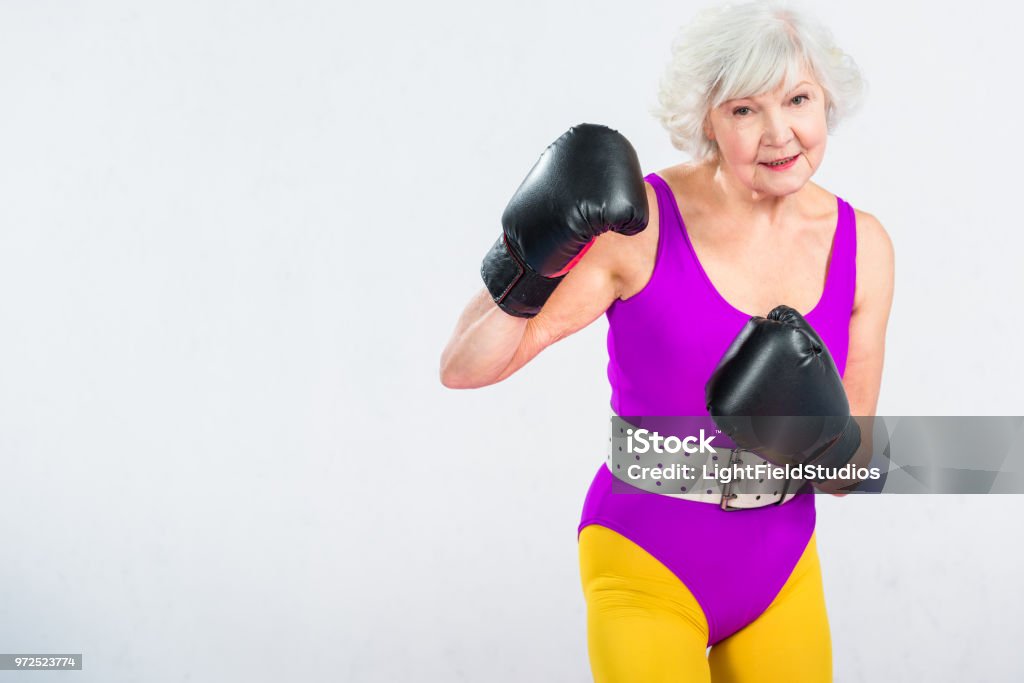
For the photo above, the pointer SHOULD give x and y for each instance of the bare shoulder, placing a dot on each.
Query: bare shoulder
(875, 259)
(638, 255)
(630, 258)
(686, 181)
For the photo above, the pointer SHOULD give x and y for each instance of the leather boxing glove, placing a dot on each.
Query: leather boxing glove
(777, 392)
(586, 182)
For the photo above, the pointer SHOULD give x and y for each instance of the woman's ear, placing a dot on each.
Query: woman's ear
(708, 130)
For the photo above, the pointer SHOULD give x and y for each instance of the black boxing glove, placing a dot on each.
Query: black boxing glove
(778, 367)
(586, 182)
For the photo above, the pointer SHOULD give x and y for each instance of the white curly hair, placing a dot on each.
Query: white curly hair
(744, 50)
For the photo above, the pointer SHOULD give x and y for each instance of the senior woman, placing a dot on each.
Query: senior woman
(679, 264)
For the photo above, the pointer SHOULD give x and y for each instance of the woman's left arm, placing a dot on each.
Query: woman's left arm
(872, 302)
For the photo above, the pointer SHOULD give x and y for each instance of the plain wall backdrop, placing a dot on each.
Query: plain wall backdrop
(234, 239)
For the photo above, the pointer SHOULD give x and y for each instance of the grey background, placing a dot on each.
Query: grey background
(234, 238)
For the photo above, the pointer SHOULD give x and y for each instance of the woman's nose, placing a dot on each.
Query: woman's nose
(778, 131)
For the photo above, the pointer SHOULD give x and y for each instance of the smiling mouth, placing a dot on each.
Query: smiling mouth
(780, 162)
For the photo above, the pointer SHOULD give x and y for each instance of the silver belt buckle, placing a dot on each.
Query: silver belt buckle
(728, 495)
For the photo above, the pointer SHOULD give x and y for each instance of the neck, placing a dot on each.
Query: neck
(751, 206)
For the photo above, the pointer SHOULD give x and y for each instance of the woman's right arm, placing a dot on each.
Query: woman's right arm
(555, 268)
(488, 344)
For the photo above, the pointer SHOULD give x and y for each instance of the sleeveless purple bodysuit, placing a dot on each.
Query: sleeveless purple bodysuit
(663, 344)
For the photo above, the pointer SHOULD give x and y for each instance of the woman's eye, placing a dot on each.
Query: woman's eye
(737, 110)
(799, 97)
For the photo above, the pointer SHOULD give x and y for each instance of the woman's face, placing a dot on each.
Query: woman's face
(753, 131)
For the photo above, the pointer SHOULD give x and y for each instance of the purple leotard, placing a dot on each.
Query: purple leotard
(663, 344)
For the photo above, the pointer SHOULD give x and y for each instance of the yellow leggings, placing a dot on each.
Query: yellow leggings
(644, 625)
